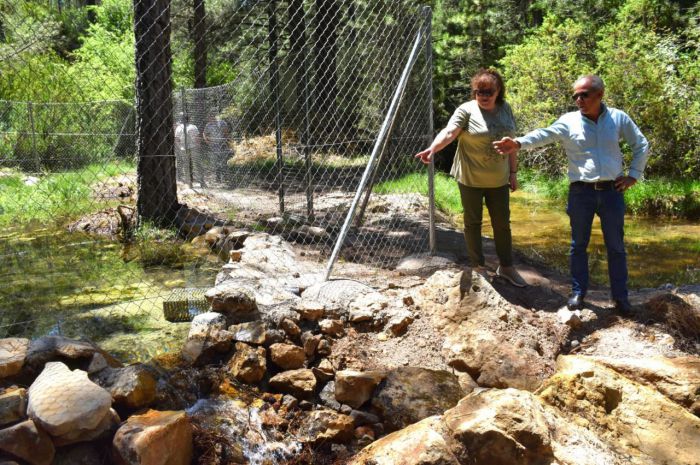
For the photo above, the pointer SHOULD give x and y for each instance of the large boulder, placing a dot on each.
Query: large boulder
(131, 387)
(27, 442)
(67, 403)
(676, 378)
(76, 354)
(13, 351)
(501, 427)
(409, 394)
(639, 422)
(248, 363)
(354, 388)
(154, 438)
(422, 443)
(498, 344)
(299, 383)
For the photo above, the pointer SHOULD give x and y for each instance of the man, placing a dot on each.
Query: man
(216, 135)
(187, 151)
(590, 138)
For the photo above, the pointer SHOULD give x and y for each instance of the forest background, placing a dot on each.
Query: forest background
(647, 51)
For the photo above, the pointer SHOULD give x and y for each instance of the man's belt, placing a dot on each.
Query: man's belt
(596, 186)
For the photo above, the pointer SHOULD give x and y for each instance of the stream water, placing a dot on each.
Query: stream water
(55, 282)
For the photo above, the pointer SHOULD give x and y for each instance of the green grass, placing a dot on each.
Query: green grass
(677, 198)
(56, 196)
(446, 190)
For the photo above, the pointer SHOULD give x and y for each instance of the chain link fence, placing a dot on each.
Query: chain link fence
(274, 116)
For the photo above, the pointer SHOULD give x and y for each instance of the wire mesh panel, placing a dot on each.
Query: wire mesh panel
(131, 131)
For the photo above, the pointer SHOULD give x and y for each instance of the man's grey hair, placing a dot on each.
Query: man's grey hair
(595, 81)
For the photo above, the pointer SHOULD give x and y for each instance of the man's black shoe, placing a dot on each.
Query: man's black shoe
(624, 307)
(575, 302)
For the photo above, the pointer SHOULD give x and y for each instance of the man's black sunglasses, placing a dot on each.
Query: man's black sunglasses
(583, 95)
(484, 93)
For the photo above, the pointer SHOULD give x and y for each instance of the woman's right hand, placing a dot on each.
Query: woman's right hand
(426, 156)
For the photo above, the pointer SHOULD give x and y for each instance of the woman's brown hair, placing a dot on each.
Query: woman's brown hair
(492, 76)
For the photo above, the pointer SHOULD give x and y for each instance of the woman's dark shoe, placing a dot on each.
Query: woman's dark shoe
(624, 307)
(575, 302)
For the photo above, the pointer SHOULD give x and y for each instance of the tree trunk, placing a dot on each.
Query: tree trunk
(296, 29)
(325, 35)
(199, 30)
(157, 190)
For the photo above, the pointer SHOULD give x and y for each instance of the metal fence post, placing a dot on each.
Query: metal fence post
(35, 153)
(429, 91)
(275, 90)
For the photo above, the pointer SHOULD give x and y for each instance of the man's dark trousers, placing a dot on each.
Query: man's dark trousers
(586, 200)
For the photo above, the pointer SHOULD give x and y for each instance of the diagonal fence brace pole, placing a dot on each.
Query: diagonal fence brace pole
(385, 129)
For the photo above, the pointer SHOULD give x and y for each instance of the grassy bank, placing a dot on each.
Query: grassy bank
(54, 196)
(653, 197)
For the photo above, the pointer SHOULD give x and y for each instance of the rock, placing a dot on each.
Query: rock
(300, 383)
(202, 350)
(638, 422)
(361, 418)
(310, 342)
(27, 442)
(108, 425)
(290, 327)
(76, 354)
(419, 444)
(498, 344)
(336, 293)
(131, 387)
(324, 371)
(13, 351)
(154, 438)
(99, 362)
(425, 264)
(205, 324)
(569, 318)
(13, 405)
(358, 315)
(399, 322)
(273, 336)
(501, 427)
(327, 396)
(355, 387)
(409, 394)
(65, 402)
(309, 234)
(325, 426)
(253, 332)
(287, 356)
(248, 364)
(235, 302)
(676, 378)
(310, 310)
(231, 242)
(324, 348)
(331, 327)
(366, 307)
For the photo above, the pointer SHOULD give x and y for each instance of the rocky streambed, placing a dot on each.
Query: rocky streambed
(432, 364)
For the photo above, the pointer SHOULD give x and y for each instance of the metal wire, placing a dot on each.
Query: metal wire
(294, 99)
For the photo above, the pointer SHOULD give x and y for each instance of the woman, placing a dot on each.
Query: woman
(482, 173)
